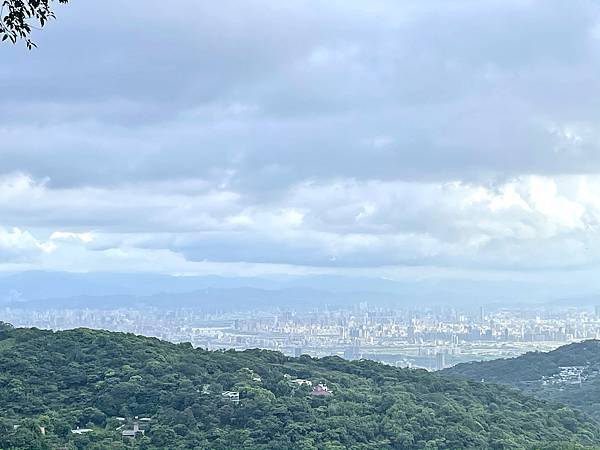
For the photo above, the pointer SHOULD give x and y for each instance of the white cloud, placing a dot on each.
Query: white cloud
(352, 134)
(531, 222)
(18, 245)
(67, 235)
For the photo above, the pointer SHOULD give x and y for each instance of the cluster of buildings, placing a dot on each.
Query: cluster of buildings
(129, 429)
(320, 390)
(567, 375)
(432, 338)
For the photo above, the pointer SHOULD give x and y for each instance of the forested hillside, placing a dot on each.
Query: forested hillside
(53, 383)
(569, 374)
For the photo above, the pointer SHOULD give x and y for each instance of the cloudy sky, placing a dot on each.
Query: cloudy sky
(255, 137)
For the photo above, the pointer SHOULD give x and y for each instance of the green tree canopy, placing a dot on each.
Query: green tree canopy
(51, 383)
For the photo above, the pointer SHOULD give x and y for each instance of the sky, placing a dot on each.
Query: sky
(385, 138)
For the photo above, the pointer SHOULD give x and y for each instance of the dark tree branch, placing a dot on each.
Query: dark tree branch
(19, 17)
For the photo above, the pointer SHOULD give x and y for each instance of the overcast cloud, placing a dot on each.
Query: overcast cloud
(303, 137)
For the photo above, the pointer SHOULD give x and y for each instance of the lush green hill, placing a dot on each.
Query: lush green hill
(569, 374)
(89, 378)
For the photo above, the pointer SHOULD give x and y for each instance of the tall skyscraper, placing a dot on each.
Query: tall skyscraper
(440, 360)
(410, 333)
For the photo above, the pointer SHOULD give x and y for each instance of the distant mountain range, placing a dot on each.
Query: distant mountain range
(61, 289)
(569, 374)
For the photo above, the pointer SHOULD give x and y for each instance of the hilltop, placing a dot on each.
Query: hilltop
(108, 383)
(569, 374)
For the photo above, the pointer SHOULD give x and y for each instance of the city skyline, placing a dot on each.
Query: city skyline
(432, 338)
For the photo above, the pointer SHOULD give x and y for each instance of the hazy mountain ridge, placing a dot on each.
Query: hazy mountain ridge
(54, 289)
(209, 299)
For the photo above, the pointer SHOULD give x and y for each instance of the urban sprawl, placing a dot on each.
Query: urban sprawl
(431, 338)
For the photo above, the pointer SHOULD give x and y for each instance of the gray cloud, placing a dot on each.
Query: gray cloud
(330, 134)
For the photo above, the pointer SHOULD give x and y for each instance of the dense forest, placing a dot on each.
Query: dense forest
(569, 374)
(85, 389)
